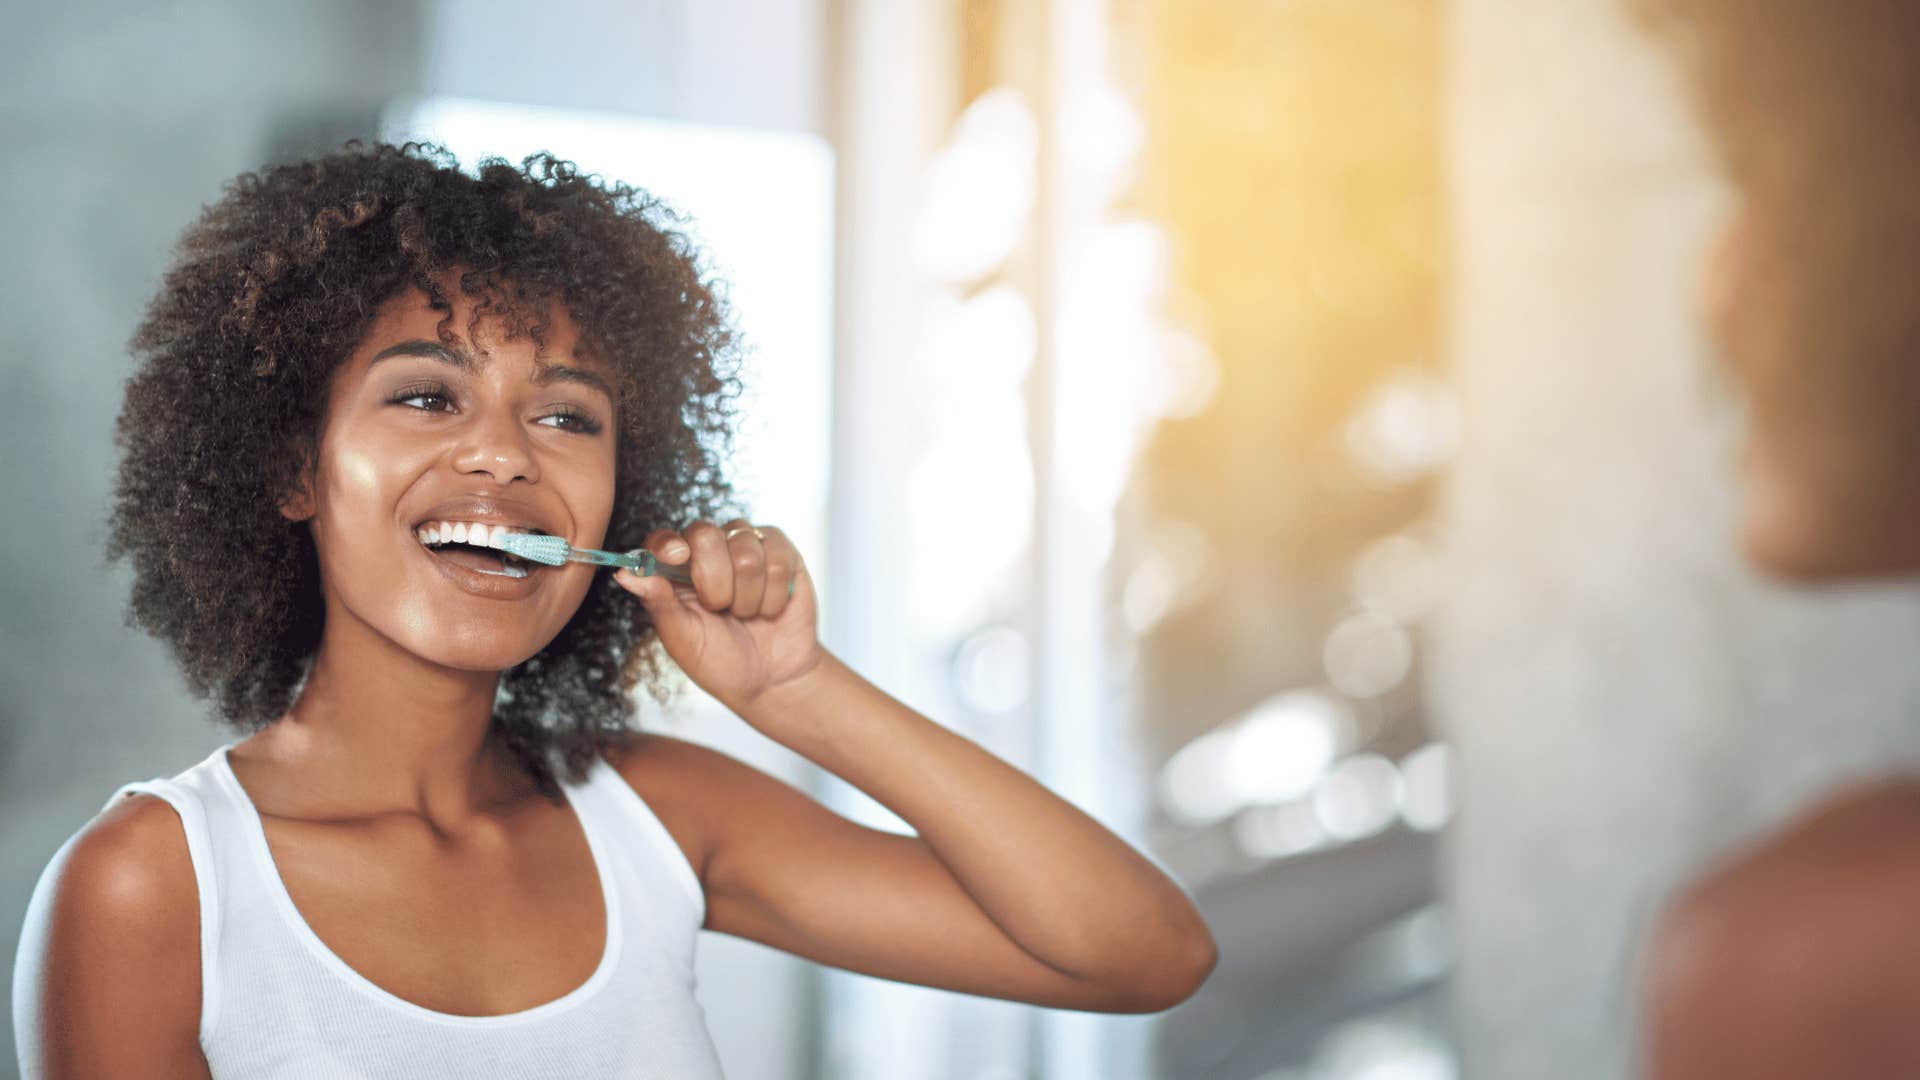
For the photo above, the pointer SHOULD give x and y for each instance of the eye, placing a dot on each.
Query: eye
(420, 390)
(574, 419)
(581, 421)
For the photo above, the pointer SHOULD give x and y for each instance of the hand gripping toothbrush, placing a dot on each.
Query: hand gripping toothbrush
(554, 551)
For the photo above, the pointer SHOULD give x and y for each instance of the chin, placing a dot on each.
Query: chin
(1808, 541)
(480, 653)
(494, 664)
(1785, 559)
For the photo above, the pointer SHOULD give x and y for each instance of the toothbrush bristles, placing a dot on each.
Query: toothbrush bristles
(551, 550)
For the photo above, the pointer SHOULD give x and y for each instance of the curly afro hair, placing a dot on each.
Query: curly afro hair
(275, 284)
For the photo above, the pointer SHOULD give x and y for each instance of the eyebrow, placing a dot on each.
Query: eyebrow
(460, 358)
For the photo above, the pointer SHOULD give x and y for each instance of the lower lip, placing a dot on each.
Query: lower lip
(491, 586)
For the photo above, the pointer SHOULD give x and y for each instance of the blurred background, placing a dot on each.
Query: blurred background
(1277, 425)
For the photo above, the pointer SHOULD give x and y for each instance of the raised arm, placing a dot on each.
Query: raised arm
(1008, 890)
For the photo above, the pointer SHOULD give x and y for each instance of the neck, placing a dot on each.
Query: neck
(377, 729)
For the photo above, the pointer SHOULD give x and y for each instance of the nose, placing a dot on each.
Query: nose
(496, 445)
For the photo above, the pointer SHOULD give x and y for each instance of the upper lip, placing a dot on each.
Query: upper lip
(491, 511)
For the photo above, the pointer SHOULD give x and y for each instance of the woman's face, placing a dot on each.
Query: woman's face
(475, 431)
(1832, 445)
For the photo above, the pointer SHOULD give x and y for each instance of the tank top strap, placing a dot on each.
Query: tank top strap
(187, 802)
(273, 1006)
(642, 844)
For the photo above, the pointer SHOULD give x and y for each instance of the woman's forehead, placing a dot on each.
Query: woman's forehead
(411, 315)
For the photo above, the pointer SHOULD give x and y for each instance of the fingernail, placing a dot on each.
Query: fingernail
(676, 549)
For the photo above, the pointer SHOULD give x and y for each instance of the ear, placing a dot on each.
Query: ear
(297, 504)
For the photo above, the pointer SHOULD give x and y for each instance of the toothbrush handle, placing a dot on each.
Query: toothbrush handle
(640, 561)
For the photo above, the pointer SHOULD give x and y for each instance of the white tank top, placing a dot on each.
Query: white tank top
(278, 1004)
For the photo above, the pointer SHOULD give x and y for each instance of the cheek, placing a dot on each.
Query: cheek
(363, 480)
(360, 486)
(357, 545)
(356, 480)
(589, 495)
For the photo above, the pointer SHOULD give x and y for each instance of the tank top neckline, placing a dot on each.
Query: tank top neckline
(262, 853)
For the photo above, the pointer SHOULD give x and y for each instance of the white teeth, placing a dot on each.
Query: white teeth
(479, 534)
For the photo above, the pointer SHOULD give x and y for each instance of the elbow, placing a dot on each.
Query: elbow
(1206, 957)
(1172, 982)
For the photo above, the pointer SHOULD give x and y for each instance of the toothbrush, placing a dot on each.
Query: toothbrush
(554, 550)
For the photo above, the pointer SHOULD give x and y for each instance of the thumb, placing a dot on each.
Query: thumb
(655, 593)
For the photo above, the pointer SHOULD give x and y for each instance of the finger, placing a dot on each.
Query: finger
(655, 592)
(712, 565)
(783, 571)
(749, 568)
(668, 546)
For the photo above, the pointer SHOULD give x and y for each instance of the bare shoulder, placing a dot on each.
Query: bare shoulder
(1784, 950)
(680, 769)
(115, 948)
(666, 764)
(1855, 848)
(688, 786)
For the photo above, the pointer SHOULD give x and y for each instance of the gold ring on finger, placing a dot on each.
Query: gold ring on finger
(757, 534)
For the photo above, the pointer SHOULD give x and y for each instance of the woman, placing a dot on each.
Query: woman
(1794, 957)
(441, 848)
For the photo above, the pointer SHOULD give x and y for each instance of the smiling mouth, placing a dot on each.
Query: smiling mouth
(485, 561)
(474, 549)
